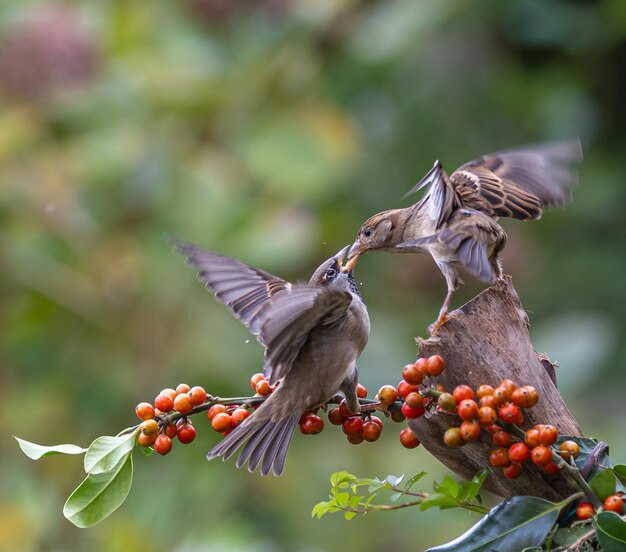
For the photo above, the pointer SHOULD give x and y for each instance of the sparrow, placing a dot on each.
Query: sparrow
(312, 334)
(456, 219)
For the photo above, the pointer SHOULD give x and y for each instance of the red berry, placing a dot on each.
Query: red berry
(361, 391)
(387, 394)
(487, 416)
(435, 365)
(377, 420)
(508, 385)
(408, 438)
(470, 431)
(168, 392)
(414, 400)
(344, 410)
(405, 388)
(335, 416)
(197, 395)
(371, 431)
(551, 468)
(221, 422)
(149, 427)
(531, 437)
(412, 374)
(412, 413)
(548, 435)
(182, 403)
(146, 440)
(422, 365)
(501, 438)
(446, 402)
(585, 510)
(533, 395)
(462, 392)
(453, 438)
(614, 503)
(255, 379)
(352, 425)
(484, 391)
(488, 400)
(238, 415)
(215, 409)
(519, 453)
(569, 449)
(170, 430)
(511, 414)
(512, 471)
(525, 397)
(163, 444)
(182, 388)
(164, 403)
(355, 438)
(500, 395)
(144, 411)
(186, 433)
(312, 424)
(541, 455)
(263, 388)
(499, 457)
(467, 409)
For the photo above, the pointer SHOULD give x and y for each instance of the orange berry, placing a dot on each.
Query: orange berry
(168, 392)
(488, 400)
(149, 427)
(412, 374)
(182, 388)
(163, 444)
(361, 391)
(484, 391)
(221, 422)
(524, 397)
(519, 453)
(144, 411)
(551, 468)
(422, 365)
(500, 395)
(569, 449)
(215, 409)
(513, 471)
(541, 455)
(170, 430)
(263, 388)
(487, 416)
(371, 431)
(435, 365)
(182, 403)
(501, 438)
(468, 410)
(387, 395)
(414, 400)
(164, 403)
(614, 503)
(239, 415)
(531, 437)
(508, 385)
(548, 435)
(197, 395)
(405, 388)
(470, 431)
(585, 510)
(462, 392)
(335, 416)
(499, 457)
(146, 440)
(408, 438)
(453, 438)
(511, 414)
(446, 402)
(256, 378)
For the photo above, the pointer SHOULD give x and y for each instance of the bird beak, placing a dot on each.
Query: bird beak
(341, 255)
(353, 257)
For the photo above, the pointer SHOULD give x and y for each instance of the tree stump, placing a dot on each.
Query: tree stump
(486, 341)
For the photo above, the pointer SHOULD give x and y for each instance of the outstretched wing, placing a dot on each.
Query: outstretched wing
(520, 182)
(290, 319)
(246, 290)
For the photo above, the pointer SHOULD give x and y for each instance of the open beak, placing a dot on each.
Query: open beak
(340, 256)
(353, 257)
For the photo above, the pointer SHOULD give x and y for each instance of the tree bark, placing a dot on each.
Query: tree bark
(484, 342)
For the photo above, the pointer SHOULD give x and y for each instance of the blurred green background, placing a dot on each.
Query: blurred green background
(269, 130)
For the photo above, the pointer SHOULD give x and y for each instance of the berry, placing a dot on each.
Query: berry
(569, 449)
(215, 409)
(585, 510)
(501, 395)
(361, 391)
(335, 416)
(501, 438)
(255, 379)
(487, 416)
(170, 430)
(462, 392)
(396, 414)
(513, 471)
(182, 388)
(263, 388)
(614, 503)
(408, 438)
(551, 468)
(435, 365)
(149, 427)
(499, 457)
(508, 385)
(412, 413)
(186, 433)
(371, 431)
(488, 400)
(163, 444)
(221, 422)
(311, 424)
(405, 388)
(169, 392)
(412, 374)
(197, 395)
(511, 414)
(414, 400)
(164, 403)
(468, 409)
(377, 421)
(548, 435)
(355, 438)
(182, 403)
(387, 395)
(484, 391)
(519, 453)
(446, 402)
(422, 365)
(453, 438)
(239, 415)
(524, 396)
(470, 431)
(541, 455)
(531, 437)
(146, 440)
(352, 425)
(144, 411)
(344, 410)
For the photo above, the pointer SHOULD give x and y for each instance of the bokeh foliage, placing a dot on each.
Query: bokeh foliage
(269, 130)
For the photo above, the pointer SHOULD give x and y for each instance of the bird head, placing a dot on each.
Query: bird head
(333, 275)
(375, 233)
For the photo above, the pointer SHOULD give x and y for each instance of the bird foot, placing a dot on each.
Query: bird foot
(434, 327)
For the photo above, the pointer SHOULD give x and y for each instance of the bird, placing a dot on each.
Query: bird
(312, 334)
(455, 221)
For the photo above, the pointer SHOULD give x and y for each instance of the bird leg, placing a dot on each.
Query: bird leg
(443, 313)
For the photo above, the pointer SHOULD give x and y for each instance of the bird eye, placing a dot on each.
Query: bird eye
(330, 274)
(367, 233)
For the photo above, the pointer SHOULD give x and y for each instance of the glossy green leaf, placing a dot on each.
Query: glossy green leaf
(438, 499)
(448, 487)
(515, 524)
(611, 532)
(603, 483)
(34, 451)
(620, 472)
(414, 480)
(338, 478)
(106, 452)
(99, 495)
(568, 535)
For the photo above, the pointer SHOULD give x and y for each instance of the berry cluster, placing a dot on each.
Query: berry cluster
(613, 503)
(359, 428)
(157, 433)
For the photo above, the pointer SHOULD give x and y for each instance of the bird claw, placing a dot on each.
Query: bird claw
(434, 327)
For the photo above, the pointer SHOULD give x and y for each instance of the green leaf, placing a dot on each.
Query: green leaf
(349, 515)
(448, 487)
(99, 495)
(395, 497)
(146, 450)
(477, 483)
(320, 509)
(568, 535)
(517, 523)
(341, 498)
(620, 472)
(437, 499)
(414, 480)
(603, 483)
(375, 485)
(354, 501)
(106, 452)
(611, 532)
(338, 478)
(35, 452)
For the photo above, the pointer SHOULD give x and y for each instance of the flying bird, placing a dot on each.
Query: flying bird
(312, 334)
(456, 219)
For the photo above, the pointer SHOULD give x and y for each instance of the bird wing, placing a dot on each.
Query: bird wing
(246, 290)
(519, 182)
(290, 319)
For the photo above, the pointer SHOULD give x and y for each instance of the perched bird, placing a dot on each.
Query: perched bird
(455, 221)
(312, 333)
